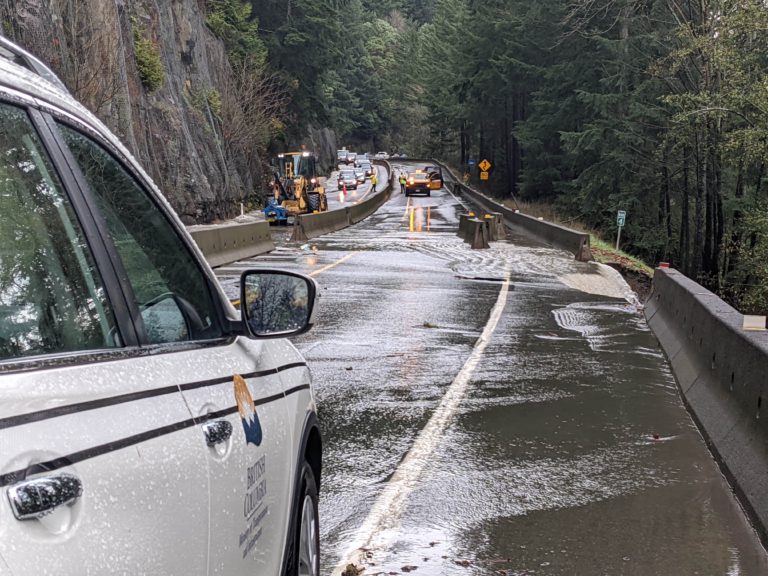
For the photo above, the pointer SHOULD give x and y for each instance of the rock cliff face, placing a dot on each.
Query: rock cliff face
(176, 130)
(323, 142)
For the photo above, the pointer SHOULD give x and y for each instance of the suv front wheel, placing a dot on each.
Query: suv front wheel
(306, 539)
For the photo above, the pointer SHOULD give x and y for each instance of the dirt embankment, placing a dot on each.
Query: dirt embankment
(640, 282)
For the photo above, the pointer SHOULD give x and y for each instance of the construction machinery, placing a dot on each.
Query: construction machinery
(296, 187)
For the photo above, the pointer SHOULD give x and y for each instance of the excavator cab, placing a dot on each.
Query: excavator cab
(296, 187)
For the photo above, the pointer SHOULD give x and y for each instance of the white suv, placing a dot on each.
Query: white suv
(146, 426)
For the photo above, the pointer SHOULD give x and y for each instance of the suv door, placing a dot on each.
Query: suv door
(232, 386)
(101, 468)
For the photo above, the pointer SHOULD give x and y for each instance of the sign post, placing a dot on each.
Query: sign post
(484, 166)
(621, 218)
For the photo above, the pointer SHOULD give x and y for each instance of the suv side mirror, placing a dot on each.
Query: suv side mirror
(276, 303)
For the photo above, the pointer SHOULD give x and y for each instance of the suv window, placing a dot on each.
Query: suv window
(51, 296)
(170, 288)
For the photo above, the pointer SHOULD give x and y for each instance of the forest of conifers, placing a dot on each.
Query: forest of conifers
(656, 107)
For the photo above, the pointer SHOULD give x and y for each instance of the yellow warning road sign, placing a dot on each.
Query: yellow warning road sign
(483, 175)
(485, 165)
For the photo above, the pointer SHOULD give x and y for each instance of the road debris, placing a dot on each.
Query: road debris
(352, 570)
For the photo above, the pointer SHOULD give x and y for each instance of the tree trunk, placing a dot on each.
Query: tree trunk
(665, 209)
(685, 221)
(463, 142)
(717, 206)
(701, 179)
(506, 142)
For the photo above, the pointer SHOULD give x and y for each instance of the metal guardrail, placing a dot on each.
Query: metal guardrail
(575, 242)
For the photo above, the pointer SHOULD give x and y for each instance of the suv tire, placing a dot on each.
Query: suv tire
(305, 552)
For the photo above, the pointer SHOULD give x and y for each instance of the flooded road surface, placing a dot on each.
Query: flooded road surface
(502, 411)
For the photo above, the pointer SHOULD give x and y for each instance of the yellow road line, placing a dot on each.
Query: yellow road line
(236, 302)
(332, 264)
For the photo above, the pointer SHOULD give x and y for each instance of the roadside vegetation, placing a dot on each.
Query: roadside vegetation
(657, 108)
(603, 249)
(148, 62)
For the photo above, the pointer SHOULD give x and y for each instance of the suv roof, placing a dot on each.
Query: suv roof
(16, 54)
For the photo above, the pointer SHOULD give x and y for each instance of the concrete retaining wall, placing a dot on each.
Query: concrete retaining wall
(722, 372)
(559, 236)
(227, 243)
(313, 225)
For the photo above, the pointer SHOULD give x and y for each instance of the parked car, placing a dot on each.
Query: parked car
(382, 156)
(348, 178)
(129, 384)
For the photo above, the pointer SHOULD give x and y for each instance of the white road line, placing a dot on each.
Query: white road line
(381, 527)
(407, 207)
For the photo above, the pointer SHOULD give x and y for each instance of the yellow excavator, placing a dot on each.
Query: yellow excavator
(296, 187)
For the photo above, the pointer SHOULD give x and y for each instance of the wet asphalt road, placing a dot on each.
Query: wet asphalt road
(546, 462)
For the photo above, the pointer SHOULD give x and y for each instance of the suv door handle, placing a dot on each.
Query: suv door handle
(38, 497)
(217, 432)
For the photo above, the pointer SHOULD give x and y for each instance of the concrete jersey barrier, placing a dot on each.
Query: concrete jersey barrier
(575, 242)
(227, 243)
(721, 370)
(309, 226)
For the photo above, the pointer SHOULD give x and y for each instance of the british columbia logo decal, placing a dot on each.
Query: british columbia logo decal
(247, 410)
